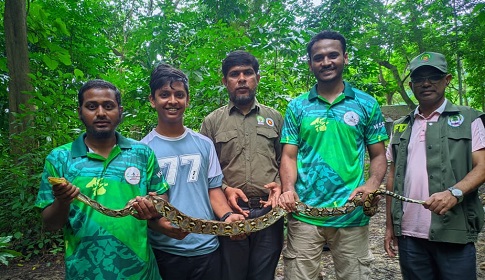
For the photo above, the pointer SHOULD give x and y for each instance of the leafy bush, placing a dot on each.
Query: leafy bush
(6, 253)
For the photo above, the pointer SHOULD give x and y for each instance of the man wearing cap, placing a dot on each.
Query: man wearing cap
(437, 154)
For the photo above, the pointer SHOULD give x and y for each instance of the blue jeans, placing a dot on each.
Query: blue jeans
(421, 259)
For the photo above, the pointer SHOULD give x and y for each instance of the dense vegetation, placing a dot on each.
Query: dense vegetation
(70, 41)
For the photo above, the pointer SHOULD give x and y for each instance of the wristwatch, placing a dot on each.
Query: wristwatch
(456, 193)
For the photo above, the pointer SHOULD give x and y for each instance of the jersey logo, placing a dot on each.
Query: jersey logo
(132, 175)
(320, 124)
(97, 186)
(351, 118)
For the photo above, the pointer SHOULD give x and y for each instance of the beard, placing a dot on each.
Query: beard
(99, 134)
(242, 100)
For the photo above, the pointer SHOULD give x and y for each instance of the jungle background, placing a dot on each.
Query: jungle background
(49, 48)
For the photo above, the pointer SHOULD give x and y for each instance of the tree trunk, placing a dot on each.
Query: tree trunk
(19, 85)
(384, 84)
(402, 91)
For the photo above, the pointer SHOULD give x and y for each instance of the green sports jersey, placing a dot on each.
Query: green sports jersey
(332, 140)
(98, 246)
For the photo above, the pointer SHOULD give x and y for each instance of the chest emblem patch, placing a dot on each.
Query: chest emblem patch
(351, 118)
(455, 120)
(269, 121)
(132, 175)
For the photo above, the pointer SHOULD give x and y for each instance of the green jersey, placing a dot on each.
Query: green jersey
(332, 140)
(98, 246)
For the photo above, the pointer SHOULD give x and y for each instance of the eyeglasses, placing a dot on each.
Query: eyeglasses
(433, 79)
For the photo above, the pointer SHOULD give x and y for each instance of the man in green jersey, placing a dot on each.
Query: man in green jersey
(325, 134)
(110, 169)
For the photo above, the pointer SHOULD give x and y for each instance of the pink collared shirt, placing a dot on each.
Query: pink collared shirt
(416, 219)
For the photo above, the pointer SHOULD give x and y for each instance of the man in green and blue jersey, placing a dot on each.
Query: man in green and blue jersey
(325, 134)
(110, 169)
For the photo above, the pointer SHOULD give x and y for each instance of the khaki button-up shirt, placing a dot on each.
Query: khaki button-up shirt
(248, 146)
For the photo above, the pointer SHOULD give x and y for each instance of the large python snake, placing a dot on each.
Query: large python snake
(202, 226)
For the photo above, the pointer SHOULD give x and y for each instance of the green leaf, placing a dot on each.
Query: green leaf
(65, 58)
(5, 239)
(61, 26)
(52, 64)
(78, 73)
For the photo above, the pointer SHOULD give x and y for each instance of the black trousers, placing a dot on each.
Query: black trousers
(256, 257)
(203, 267)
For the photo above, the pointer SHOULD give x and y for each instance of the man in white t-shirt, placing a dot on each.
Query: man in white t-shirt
(189, 163)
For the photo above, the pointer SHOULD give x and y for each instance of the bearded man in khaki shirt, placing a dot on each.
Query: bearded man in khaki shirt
(246, 135)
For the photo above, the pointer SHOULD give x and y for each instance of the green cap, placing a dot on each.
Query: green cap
(432, 59)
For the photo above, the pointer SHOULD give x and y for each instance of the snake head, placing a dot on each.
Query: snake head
(56, 181)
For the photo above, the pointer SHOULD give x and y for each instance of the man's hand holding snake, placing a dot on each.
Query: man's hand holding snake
(164, 226)
(440, 202)
(233, 194)
(365, 190)
(64, 193)
(145, 210)
(288, 200)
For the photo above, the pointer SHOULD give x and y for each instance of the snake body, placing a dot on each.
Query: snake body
(202, 226)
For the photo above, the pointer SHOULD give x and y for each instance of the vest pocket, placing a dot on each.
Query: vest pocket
(455, 133)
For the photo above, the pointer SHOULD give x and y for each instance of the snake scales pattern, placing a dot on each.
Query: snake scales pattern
(202, 226)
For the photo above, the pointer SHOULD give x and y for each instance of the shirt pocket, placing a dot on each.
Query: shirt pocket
(227, 146)
(265, 141)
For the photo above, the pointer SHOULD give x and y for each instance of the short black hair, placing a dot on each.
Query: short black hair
(165, 73)
(239, 58)
(99, 84)
(326, 34)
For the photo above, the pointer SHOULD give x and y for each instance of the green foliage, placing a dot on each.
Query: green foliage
(6, 253)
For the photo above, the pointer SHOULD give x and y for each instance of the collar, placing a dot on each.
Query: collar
(79, 149)
(439, 110)
(348, 91)
(232, 107)
(448, 108)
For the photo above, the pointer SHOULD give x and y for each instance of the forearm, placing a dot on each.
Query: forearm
(156, 225)
(288, 173)
(476, 177)
(378, 164)
(389, 187)
(55, 216)
(219, 202)
(377, 170)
